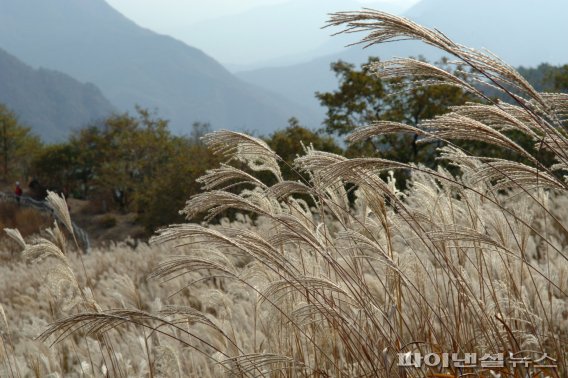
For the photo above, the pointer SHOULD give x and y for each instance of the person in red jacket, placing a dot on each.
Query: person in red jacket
(18, 191)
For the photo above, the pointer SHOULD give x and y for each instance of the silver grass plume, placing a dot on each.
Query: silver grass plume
(509, 174)
(503, 117)
(264, 364)
(457, 126)
(15, 235)
(216, 201)
(61, 210)
(228, 176)
(241, 147)
(380, 128)
(43, 248)
(287, 188)
(4, 328)
(423, 74)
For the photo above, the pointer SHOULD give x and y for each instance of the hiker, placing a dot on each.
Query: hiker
(18, 192)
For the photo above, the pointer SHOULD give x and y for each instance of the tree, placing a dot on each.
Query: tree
(362, 97)
(122, 153)
(561, 79)
(166, 194)
(358, 101)
(18, 145)
(57, 166)
(546, 77)
(137, 161)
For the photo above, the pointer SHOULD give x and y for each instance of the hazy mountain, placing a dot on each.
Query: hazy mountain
(94, 43)
(274, 34)
(49, 102)
(522, 32)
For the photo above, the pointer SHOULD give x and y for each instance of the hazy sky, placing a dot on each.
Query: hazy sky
(159, 13)
(205, 24)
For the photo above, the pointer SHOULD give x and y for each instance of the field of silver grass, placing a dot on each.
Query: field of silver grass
(305, 282)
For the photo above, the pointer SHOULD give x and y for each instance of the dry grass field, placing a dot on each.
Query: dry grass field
(304, 282)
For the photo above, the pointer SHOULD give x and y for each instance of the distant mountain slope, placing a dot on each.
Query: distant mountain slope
(49, 102)
(285, 33)
(302, 81)
(522, 32)
(92, 42)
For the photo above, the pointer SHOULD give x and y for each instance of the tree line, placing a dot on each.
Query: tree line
(133, 163)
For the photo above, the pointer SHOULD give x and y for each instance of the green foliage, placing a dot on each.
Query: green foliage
(57, 165)
(362, 97)
(546, 77)
(560, 78)
(150, 171)
(541, 77)
(121, 154)
(165, 194)
(358, 101)
(18, 146)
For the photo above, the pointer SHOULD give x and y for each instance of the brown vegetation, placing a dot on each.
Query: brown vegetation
(29, 221)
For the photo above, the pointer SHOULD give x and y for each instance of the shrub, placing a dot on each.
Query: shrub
(29, 221)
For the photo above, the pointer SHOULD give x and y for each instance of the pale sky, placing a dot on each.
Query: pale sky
(152, 13)
(200, 23)
(158, 13)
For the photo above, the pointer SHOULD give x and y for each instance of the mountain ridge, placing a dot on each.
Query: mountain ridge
(51, 103)
(132, 65)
